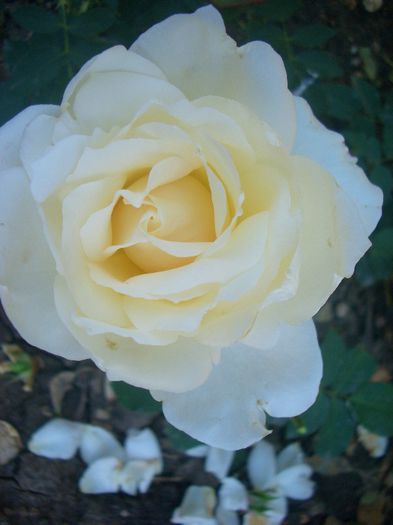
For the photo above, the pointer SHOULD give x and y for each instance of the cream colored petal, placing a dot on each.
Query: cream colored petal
(116, 58)
(137, 476)
(27, 271)
(93, 301)
(113, 98)
(128, 156)
(241, 252)
(282, 381)
(176, 367)
(196, 55)
(328, 149)
(184, 317)
(11, 134)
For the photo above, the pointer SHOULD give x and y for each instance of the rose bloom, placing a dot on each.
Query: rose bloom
(179, 219)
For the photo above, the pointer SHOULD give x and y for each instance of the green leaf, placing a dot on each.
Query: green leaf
(334, 355)
(321, 62)
(336, 433)
(135, 398)
(341, 102)
(279, 11)
(179, 440)
(388, 140)
(373, 405)
(314, 35)
(311, 420)
(37, 19)
(92, 23)
(364, 146)
(367, 95)
(383, 177)
(357, 369)
(381, 254)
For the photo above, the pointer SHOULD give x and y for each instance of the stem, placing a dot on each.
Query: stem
(62, 6)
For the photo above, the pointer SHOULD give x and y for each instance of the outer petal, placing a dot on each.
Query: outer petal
(27, 270)
(11, 134)
(233, 495)
(327, 148)
(219, 461)
(227, 410)
(197, 56)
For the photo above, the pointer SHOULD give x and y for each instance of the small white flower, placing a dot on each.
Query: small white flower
(197, 507)
(374, 444)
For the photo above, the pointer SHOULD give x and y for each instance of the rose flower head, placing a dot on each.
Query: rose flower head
(179, 219)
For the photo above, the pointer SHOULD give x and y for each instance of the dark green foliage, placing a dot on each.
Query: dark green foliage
(346, 399)
(373, 406)
(135, 398)
(179, 440)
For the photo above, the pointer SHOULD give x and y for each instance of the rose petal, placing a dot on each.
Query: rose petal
(327, 148)
(261, 465)
(11, 133)
(233, 495)
(102, 477)
(196, 55)
(142, 445)
(57, 439)
(219, 461)
(98, 443)
(282, 380)
(27, 270)
(196, 507)
(295, 483)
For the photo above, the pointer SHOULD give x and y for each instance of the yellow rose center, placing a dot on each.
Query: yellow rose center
(180, 211)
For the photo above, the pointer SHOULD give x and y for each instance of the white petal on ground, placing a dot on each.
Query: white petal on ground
(233, 495)
(57, 439)
(142, 444)
(27, 270)
(255, 518)
(278, 509)
(200, 451)
(226, 517)
(282, 380)
(290, 456)
(375, 445)
(196, 507)
(261, 465)
(137, 475)
(219, 461)
(98, 443)
(196, 55)
(294, 482)
(101, 477)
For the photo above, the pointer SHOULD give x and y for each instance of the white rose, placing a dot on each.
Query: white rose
(179, 219)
